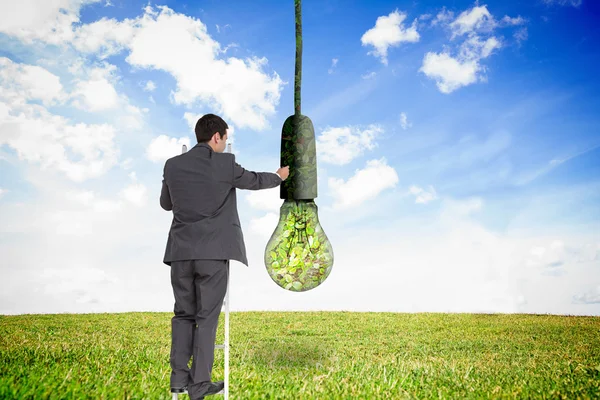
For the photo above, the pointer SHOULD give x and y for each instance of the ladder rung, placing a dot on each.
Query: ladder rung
(219, 346)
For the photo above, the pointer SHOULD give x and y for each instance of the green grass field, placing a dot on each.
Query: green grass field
(309, 355)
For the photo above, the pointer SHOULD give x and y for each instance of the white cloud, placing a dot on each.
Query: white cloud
(164, 147)
(462, 208)
(574, 3)
(104, 38)
(133, 118)
(452, 73)
(85, 208)
(219, 27)
(267, 199)
(475, 49)
(21, 82)
(370, 75)
(448, 72)
(49, 21)
(341, 145)
(442, 17)
(43, 138)
(60, 281)
(364, 185)
(265, 225)
(126, 164)
(389, 32)
(97, 95)
(477, 25)
(46, 138)
(150, 86)
(81, 196)
(521, 35)
(513, 21)
(65, 224)
(3, 192)
(553, 257)
(192, 119)
(136, 193)
(95, 92)
(237, 89)
(333, 64)
(89, 199)
(77, 66)
(423, 196)
(404, 121)
(477, 18)
(590, 297)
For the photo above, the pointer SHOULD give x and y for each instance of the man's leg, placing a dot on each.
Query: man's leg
(184, 321)
(211, 286)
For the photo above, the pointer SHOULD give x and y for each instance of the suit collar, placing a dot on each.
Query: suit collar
(205, 145)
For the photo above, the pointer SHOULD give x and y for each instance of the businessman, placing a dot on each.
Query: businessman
(199, 186)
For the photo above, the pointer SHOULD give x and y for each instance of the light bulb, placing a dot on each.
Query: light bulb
(299, 256)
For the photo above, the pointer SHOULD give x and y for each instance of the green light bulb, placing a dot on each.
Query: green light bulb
(299, 256)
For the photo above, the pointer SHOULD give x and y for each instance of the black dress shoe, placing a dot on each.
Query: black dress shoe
(209, 388)
(179, 389)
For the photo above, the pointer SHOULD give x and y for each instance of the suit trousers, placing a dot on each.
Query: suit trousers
(199, 287)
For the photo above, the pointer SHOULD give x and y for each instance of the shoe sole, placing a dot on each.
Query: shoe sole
(184, 391)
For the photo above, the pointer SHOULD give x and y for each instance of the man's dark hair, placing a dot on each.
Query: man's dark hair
(208, 125)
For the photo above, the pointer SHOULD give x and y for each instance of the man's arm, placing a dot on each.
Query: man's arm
(165, 196)
(244, 179)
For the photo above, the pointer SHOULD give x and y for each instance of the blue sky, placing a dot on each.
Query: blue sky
(457, 141)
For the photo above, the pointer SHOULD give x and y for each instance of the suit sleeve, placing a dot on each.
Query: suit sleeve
(250, 180)
(165, 196)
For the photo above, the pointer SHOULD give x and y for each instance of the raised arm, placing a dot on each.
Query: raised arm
(250, 180)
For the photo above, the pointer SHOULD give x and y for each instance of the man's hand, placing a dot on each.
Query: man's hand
(283, 172)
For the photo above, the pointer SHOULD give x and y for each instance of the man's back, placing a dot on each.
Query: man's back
(199, 186)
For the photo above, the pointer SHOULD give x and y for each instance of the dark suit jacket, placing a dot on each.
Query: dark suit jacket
(199, 186)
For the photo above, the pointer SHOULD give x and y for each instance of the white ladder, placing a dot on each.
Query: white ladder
(225, 345)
